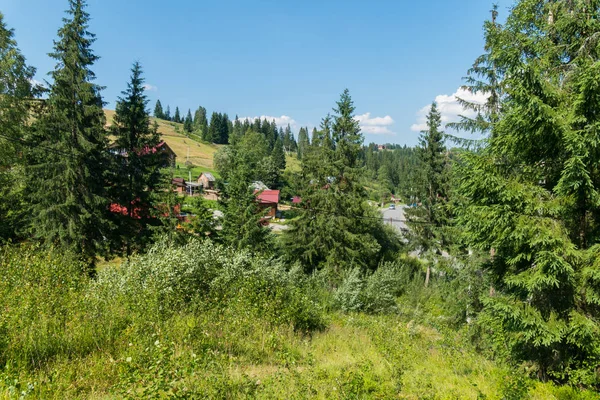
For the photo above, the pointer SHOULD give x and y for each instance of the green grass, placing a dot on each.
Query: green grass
(292, 163)
(182, 171)
(193, 323)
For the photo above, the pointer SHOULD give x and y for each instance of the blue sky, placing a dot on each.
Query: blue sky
(278, 58)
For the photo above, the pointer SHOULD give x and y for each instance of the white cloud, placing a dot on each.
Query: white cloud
(375, 125)
(35, 82)
(150, 88)
(282, 121)
(449, 108)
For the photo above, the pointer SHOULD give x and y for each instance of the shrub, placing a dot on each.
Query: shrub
(374, 293)
(171, 278)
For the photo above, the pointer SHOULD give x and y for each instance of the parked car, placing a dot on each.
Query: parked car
(392, 206)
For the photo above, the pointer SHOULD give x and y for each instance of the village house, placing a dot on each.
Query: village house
(167, 155)
(207, 180)
(268, 200)
(180, 185)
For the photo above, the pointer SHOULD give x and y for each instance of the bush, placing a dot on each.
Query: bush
(374, 293)
(171, 278)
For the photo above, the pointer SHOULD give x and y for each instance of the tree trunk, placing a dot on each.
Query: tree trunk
(427, 276)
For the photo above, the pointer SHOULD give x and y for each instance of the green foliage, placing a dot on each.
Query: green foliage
(532, 193)
(16, 104)
(158, 110)
(337, 228)
(136, 168)
(177, 116)
(427, 220)
(188, 124)
(68, 169)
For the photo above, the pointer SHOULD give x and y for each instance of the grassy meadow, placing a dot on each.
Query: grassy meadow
(203, 321)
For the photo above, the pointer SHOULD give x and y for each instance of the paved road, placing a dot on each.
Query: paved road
(395, 217)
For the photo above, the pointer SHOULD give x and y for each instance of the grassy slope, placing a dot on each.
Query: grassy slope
(200, 153)
(358, 356)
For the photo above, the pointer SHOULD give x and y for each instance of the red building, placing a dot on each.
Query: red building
(268, 200)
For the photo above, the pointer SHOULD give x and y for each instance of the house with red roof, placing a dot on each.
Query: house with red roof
(268, 200)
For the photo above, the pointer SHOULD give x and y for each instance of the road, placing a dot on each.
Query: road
(395, 217)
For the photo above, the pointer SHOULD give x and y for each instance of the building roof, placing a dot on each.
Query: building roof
(267, 196)
(178, 182)
(208, 176)
(296, 200)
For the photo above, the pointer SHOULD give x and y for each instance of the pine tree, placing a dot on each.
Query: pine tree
(242, 226)
(428, 219)
(177, 116)
(68, 182)
(303, 142)
(158, 110)
(315, 139)
(168, 114)
(337, 229)
(214, 129)
(532, 193)
(223, 132)
(16, 104)
(200, 122)
(347, 139)
(278, 154)
(484, 78)
(188, 124)
(137, 164)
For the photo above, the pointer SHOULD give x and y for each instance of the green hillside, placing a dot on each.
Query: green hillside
(200, 154)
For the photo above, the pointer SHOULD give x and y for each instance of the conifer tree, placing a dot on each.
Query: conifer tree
(347, 139)
(200, 122)
(278, 154)
(483, 78)
(177, 116)
(242, 226)
(316, 139)
(16, 104)
(214, 129)
(138, 163)
(337, 229)
(532, 193)
(188, 124)
(68, 182)
(303, 142)
(158, 110)
(223, 131)
(428, 219)
(167, 114)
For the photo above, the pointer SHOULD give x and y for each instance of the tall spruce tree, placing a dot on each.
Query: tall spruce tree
(200, 122)
(188, 124)
(158, 110)
(483, 78)
(242, 226)
(138, 164)
(177, 116)
(532, 194)
(224, 128)
(16, 105)
(337, 229)
(303, 142)
(278, 154)
(167, 114)
(428, 219)
(214, 129)
(68, 178)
